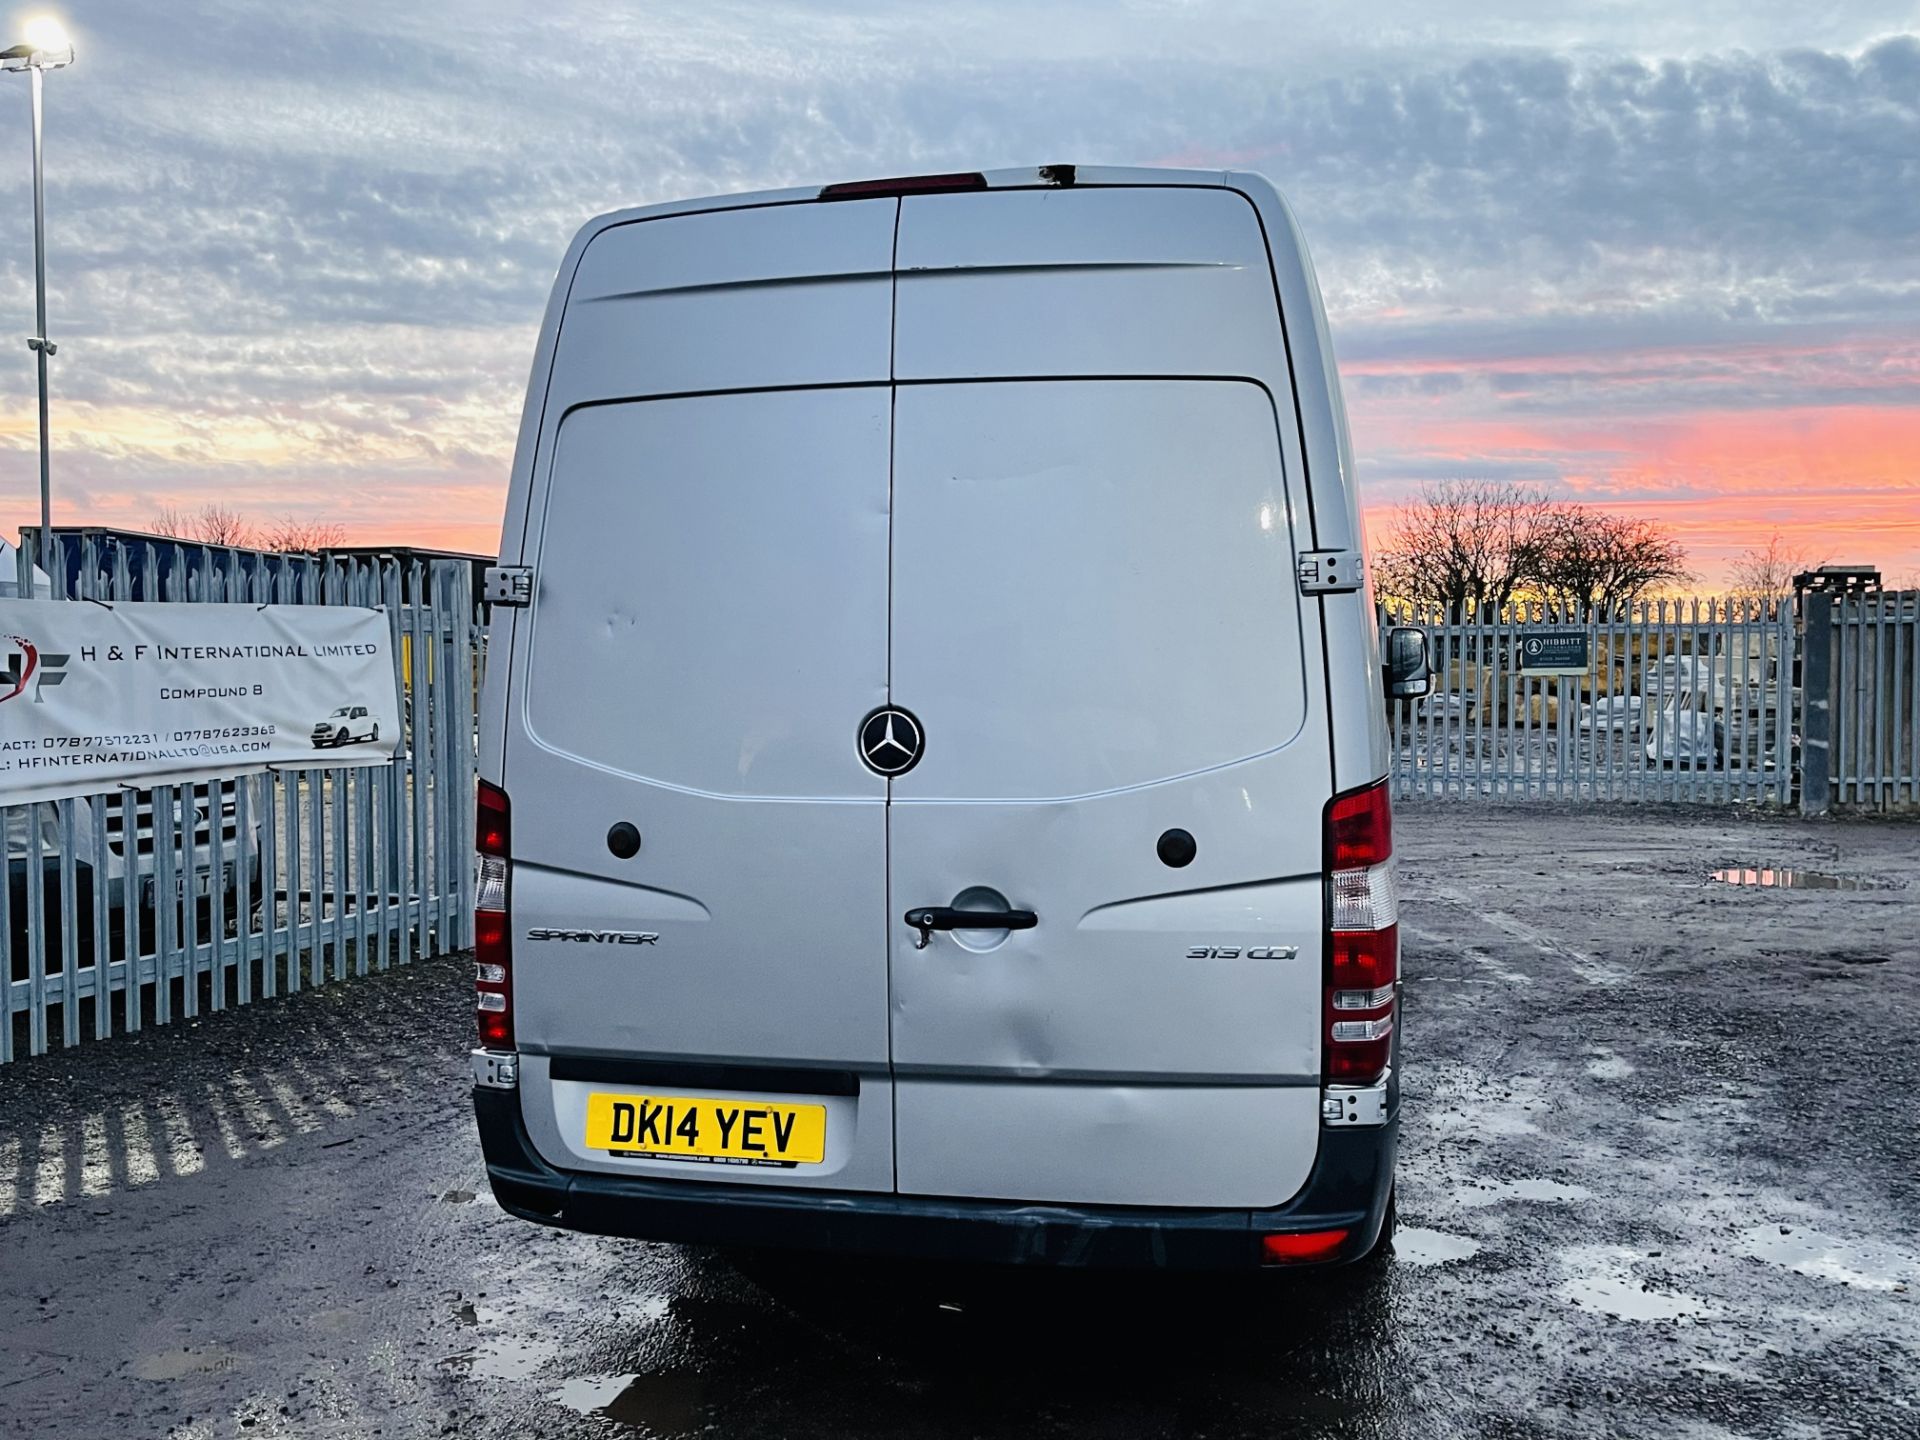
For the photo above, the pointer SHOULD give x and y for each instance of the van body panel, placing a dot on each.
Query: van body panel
(1355, 711)
(736, 984)
(1135, 281)
(736, 300)
(744, 623)
(1075, 566)
(1088, 1144)
(1069, 723)
(712, 705)
(1106, 985)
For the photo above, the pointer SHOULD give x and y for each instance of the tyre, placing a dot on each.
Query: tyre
(376, 734)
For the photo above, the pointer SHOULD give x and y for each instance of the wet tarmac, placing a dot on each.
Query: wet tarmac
(1659, 1176)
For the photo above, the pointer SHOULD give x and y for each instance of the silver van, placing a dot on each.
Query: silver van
(932, 753)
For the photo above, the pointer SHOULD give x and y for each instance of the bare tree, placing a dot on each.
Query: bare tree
(216, 524)
(1459, 545)
(293, 534)
(212, 524)
(173, 522)
(222, 526)
(1607, 561)
(1768, 570)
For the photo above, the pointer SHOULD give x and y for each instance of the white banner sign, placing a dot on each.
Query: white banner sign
(96, 697)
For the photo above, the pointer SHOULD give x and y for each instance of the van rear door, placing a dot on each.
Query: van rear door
(1097, 624)
(708, 626)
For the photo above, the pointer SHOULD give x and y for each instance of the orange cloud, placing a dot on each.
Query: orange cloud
(1838, 481)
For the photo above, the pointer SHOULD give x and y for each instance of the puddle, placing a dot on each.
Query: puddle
(1610, 1287)
(1773, 877)
(1550, 1191)
(187, 1360)
(1467, 1117)
(1865, 1266)
(512, 1359)
(497, 1357)
(673, 1403)
(1414, 1246)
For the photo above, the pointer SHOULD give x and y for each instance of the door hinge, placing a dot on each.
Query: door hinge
(507, 585)
(1343, 1105)
(1330, 572)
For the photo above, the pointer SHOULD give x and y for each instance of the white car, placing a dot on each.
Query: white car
(958, 825)
(1617, 713)
(347, 725)
(1685, 733)
(1449, 705)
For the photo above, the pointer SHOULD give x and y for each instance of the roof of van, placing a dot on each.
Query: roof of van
(1024, 177)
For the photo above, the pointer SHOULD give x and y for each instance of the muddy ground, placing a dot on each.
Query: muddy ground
(1659, 1176)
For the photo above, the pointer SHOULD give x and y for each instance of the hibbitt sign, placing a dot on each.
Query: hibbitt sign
(95, 696)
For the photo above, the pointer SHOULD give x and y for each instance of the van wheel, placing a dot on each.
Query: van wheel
(1390, 1222)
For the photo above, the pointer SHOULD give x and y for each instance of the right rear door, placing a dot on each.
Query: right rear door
(1096, 620)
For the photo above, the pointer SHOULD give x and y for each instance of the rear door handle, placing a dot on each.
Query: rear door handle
(930, 918)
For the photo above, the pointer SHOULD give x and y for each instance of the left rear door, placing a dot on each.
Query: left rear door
(708, 629)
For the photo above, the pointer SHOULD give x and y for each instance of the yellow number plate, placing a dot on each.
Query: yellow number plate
(720, 1132)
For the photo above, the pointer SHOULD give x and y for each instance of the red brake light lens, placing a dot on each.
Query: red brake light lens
(1359, 828)
(1301, 1247)
(491, 833)
(905, 185)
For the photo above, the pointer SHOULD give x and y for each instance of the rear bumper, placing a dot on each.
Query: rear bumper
(1348, 1189)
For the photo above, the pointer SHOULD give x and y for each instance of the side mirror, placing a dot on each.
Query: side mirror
(1409, 671)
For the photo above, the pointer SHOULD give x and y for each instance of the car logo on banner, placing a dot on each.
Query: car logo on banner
(890, 741)
(24, 662)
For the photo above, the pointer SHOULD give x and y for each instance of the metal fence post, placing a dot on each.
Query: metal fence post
(1816, 702)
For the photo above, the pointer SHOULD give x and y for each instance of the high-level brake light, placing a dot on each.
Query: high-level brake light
(492, 942)
(1363, 938)
(905, 185)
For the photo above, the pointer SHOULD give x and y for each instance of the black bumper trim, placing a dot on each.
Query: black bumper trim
(1351, 1180)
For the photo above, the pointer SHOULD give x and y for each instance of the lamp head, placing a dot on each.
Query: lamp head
(45, 46)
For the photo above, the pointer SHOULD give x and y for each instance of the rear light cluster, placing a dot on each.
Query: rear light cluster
(1363, 938)
(492, 943)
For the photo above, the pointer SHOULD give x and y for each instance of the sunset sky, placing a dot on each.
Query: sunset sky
(1662, 258)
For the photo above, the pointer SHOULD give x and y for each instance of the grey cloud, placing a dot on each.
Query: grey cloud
(348, 219)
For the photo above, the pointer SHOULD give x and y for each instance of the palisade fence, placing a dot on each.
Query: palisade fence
(1813, 702)
(1680, 700)
(1872, 732)
(143, 906)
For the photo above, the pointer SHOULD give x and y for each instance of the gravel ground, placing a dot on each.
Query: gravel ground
(1659, 1176)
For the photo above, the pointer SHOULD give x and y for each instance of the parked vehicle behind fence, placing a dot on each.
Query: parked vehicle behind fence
(129, 865)
(129, 858)
(957, 824)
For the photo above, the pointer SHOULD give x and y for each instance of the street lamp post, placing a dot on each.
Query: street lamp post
(46, 47)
